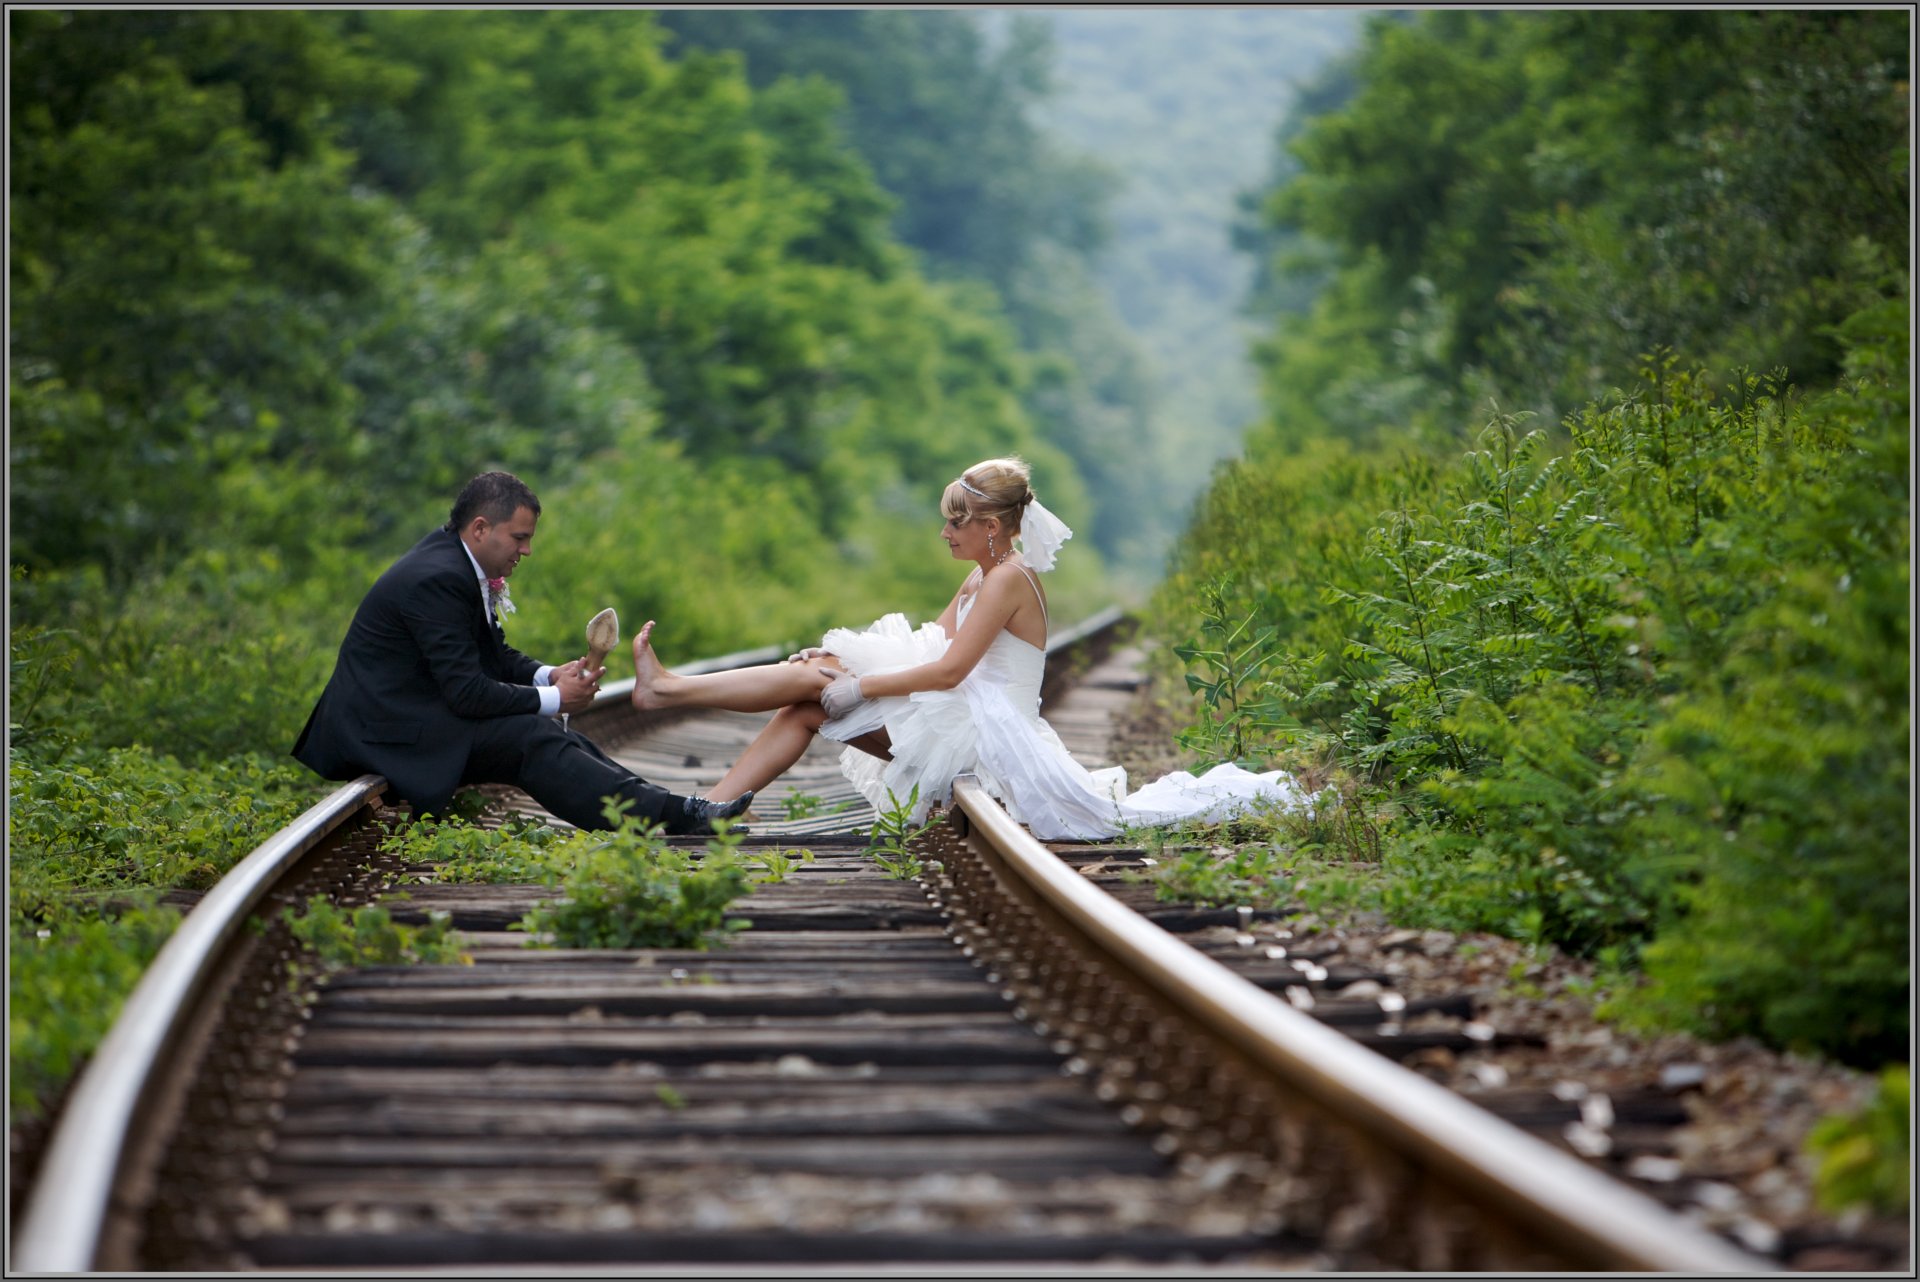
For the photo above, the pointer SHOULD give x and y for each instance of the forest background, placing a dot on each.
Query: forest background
(1570, 541)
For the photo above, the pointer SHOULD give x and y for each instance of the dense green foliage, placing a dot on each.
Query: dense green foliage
(281, 280)
(1619, 661)
(944, 116)
(1504, 220)
(410, 245)
(89, 841)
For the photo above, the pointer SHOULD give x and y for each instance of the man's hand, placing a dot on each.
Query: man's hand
(577, 684)
(842, 694)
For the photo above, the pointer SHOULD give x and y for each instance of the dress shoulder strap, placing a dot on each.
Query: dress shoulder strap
(1037, 593)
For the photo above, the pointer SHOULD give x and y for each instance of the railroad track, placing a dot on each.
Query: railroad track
(999, 1065)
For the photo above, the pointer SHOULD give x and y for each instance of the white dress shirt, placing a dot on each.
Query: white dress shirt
(543, 676)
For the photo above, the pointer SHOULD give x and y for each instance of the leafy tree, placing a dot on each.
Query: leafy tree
(1632, 681)
(944, 121)
(1505, 221)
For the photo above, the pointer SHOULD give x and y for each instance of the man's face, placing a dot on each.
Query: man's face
(499, 545)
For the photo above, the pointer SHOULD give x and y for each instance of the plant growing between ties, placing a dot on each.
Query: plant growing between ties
(627, 888)
(778, 865)
(892, 835)
(368, 936)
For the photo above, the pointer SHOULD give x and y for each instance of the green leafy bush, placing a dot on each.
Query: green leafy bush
(1641, 690)
(68, 975)
(1866, 1158)
(368, 936)
(128, 817)
(627, 888)
(92, 838)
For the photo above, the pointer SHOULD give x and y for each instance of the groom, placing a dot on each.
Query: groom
(427, 691)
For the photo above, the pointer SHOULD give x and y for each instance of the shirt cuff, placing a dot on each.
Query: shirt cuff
(543, 675)
(549, 700)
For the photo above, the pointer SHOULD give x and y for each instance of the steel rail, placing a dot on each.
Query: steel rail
(66, 1215)
(1581, 1214)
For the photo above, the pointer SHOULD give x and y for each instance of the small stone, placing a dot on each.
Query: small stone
(1716, 1196)
(1655, 1170)
(1300, 996)
(1680, 1077)
(1756, 1235)
(1586, 1140)
(1491, 1076)
(1569, 1091)
(1364, 990)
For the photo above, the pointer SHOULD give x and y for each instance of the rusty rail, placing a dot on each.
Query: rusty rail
(93, 1153)
(1347, 1143)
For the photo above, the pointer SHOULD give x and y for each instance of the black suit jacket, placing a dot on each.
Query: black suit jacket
(423, 665)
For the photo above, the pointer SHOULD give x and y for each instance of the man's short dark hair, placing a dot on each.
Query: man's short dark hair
(494, 495)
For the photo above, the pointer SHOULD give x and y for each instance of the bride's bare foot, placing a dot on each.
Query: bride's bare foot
(651, 682)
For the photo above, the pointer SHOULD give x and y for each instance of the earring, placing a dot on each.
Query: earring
(990, 551)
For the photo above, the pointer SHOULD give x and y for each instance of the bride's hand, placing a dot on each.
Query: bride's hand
(811, 652)
(842, 694)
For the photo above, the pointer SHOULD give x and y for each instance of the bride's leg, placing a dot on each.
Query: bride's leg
(782, 742)
(759, 689)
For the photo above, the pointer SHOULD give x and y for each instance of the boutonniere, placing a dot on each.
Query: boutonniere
(497, 597)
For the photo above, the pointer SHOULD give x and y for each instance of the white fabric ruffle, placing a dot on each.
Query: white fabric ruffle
(990, 726)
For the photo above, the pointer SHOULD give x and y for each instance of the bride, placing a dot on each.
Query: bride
(918, 707)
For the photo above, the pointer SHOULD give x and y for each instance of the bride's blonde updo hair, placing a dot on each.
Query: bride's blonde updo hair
(998, 487)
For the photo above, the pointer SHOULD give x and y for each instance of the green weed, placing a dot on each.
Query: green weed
(628, 888)
(368, 936)
(1866, 1158)
(892, 834)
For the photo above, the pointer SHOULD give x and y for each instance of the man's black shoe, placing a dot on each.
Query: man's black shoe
(697, 814)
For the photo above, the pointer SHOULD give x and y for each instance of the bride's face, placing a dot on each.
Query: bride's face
(967, 542)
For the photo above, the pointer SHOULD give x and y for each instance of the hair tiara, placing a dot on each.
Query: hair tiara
(982, 494)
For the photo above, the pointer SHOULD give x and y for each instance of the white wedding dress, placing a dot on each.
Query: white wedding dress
(990, 725)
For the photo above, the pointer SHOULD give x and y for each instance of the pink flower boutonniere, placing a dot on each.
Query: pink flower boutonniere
(497, 597)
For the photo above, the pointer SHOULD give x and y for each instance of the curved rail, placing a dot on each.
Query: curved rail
(92, 1146)
(86, 1159)
(67, 1212)
(1415, 1134)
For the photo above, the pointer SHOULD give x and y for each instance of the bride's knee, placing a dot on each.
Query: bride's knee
(823, 666)
(808, 715)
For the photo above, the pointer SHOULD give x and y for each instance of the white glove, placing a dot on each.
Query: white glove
(811, 652)
(842, 695)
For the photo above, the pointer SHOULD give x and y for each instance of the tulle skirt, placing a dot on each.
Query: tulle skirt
(990, 726)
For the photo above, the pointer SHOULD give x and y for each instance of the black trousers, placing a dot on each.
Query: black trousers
(563, 770)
